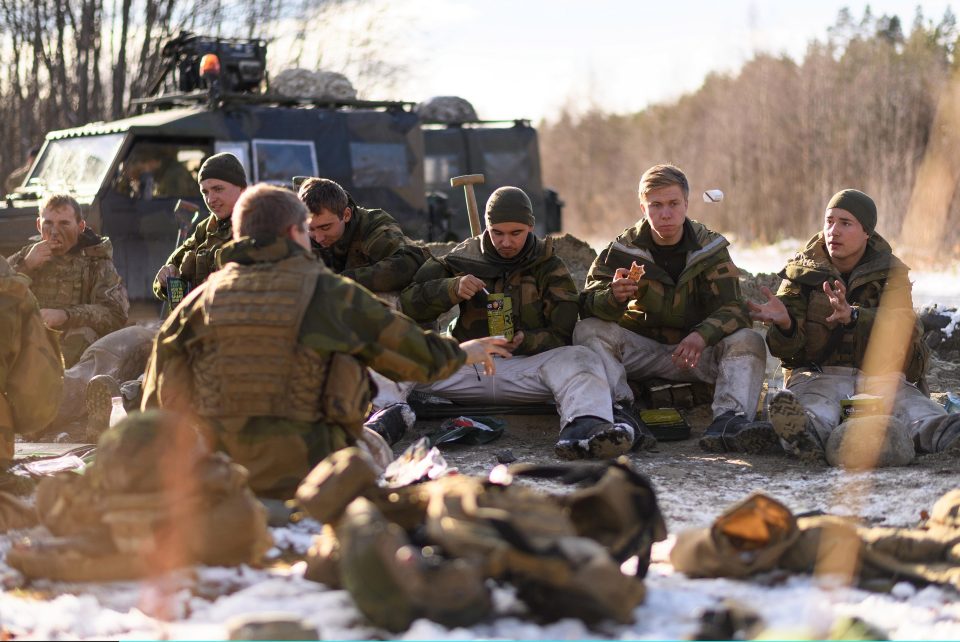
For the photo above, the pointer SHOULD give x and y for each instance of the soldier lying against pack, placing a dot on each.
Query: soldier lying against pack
(73, 277)
(510, 275)
(843, 323)
(270, 354)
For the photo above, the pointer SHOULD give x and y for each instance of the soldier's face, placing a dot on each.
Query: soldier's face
(60, 228)
(509, 238)
(220, 196)
(843, 234)
(666, 209)
(326, 228)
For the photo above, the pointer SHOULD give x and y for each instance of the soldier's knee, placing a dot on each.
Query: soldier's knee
(588, 330)
(745, 342)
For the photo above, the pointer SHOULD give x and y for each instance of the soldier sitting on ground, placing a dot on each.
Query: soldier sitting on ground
(31, 370)
(508, 267)
(367, 246)
(73, 277)
(843, 323)
(269, 356)
(678, 316)
(222, 180)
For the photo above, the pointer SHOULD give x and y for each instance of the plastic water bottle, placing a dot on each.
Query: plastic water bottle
(117, 412)
(953, 402)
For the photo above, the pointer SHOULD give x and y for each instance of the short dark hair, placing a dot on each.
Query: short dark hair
(322, 193)
(60, 200)
(265, 211)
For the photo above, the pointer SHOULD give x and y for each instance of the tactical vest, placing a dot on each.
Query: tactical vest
(248, 361)
(62, 281)
(199, 263)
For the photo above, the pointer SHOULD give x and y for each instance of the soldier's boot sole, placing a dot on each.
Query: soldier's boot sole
(608, 443)
(100, 391)
(791, 425)
(758, 438)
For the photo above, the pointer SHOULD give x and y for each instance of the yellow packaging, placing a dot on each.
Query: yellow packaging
(500, 316)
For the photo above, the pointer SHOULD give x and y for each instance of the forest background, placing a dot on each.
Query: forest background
(874, 104)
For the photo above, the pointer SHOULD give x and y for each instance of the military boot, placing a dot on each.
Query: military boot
(591, 437)
(731, 432)
(794, 428)
(100, 391)
(392, 422)
(643, 439)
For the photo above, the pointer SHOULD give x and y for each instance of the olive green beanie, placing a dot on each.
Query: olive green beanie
(225, 167)
(509, 205)
(859, 204)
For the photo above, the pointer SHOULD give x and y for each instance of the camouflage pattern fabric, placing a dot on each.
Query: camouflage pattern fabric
(816, 343)
(705, 298)
(197, 258)
(344, 325)
(85, 283)
(543, 294)
(31, 368)
(374, 252)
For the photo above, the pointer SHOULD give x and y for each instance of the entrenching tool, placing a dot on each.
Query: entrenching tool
(468, 181)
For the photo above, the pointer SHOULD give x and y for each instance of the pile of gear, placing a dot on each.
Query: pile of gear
(446, 110)
(319, 85)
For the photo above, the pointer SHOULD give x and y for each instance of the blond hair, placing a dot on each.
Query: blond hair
(61, 200)
(265, 211)
(663, 176)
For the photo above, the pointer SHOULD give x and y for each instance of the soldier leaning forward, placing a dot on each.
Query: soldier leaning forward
(509, 264)
(844, 299)
(367, 246)
(270, 353)
(222, 180)
(31, 370)
(73, 277)
(679, 316)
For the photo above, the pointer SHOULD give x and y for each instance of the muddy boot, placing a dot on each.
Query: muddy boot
(731, 432)
(794, 429)
(643, 439)
(593, 438)
(100, 391)
(392, 422)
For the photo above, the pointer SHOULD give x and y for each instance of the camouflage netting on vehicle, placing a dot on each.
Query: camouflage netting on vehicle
(446, 109)
(313, 84)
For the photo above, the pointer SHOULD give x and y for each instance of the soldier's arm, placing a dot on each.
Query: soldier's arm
(168, 380)
(9, 350)
(433, 292)
(176, 258)
(394, 262)
(108, 307)
(895, 315)
(560, 308)
(597, 298)
(721, 293)
(16, 261)
(783, 344)
(344, 317)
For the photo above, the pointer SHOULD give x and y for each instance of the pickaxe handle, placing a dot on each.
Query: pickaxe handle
(467, 182)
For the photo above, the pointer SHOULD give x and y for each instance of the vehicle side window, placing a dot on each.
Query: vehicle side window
(161, 170)
(379, 164)
(278, 161)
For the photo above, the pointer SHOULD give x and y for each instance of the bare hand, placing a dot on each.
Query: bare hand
(773, 311)
(515, 343)
(687, 353)
(38, 255)
(468, 286)
(838, 301)
(53, 317)
(166, 272)
(483, 350)
(623, 287)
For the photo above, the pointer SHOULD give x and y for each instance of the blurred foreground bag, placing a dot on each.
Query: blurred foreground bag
(426, 550)
(155, 499)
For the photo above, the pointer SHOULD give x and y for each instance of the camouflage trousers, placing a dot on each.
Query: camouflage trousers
(820, 394)
(735, 365)
(122, 355)
(569, 376)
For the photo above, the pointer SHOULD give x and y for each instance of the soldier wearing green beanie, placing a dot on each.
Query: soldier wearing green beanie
(507, 281)
(823, 320)
(222, 179)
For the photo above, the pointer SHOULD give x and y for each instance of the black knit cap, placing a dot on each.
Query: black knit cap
(509, 205)
(859, 204)
(225, 167)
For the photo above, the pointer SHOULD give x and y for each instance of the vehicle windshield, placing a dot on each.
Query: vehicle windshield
(77, 165)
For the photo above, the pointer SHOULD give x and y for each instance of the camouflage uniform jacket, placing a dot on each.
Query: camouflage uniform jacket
(196, 258)
(31, 370)
(342, 323)
(813, 342)
(544, 296)
(83, 282)
(374, 252)
(705, 298)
